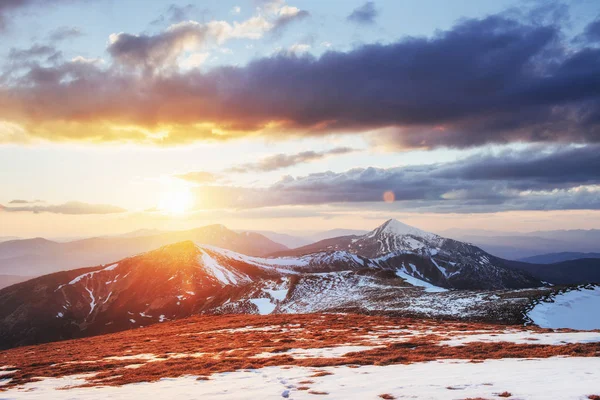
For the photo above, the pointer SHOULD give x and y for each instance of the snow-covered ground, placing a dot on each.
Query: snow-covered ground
(576, 309)
(323, 352)
(526, 337)
(532, 379)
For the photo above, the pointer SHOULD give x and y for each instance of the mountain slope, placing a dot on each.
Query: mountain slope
(40, 256)
(169, 283)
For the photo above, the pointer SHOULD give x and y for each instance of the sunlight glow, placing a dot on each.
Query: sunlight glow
(176, 201)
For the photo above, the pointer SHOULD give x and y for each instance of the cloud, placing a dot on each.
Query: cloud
(199, 177)
(592, 31)
(298, 49)
(178, 13)
(71, 208)
(65, 33)
(286, 16)
(19, 201)
(9, 7)
(491, 80)
(364, 14)
(532, 179)
(161, 50)
(279, 161)
(36, 51)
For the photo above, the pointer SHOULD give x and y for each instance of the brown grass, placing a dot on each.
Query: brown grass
(505, 394)
(321, 373)
(387, 396)
(209, 346)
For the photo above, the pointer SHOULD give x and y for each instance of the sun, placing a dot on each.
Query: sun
(176, 201)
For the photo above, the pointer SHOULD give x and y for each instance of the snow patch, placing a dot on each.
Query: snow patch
(402, 273)
(526, 337)
(264, 305)
(576, 309)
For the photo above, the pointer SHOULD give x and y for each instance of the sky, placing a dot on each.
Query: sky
(298, 115)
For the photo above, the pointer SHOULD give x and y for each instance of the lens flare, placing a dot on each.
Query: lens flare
(389, 197)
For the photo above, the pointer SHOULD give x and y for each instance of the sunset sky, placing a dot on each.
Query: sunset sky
(298, 115)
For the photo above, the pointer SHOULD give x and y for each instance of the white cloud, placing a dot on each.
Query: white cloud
(299, 48)
(194, 60)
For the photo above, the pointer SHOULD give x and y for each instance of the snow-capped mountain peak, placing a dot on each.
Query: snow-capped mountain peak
(397, 228)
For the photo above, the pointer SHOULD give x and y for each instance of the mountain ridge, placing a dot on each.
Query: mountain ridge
(392, 269)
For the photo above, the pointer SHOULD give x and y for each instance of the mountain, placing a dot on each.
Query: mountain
(552, 258)
(169, 283)
(7, 238)
(517, 246)
(41, 256)
(139, 233)
(442, 262)
(580, 271)
(520, 245)
(287, 240)
(394, 269)
(7, 280)
(333, 233)
(581, 238)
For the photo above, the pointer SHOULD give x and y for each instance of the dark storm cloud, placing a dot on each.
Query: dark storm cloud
(72, 208)
(491, 80)
(529, 179)
(592, 31)
(279, 161)
(364, 14)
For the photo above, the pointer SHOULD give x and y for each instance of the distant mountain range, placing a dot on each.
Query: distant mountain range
(580, 271)
(303, 239)
(552, 258)
(289, 241)
(518, 245)
(39, 256)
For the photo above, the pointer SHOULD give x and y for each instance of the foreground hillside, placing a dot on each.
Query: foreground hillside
(303, 356)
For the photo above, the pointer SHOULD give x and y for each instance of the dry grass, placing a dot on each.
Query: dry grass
(204, 345)
(505, 394)
(387, 396)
